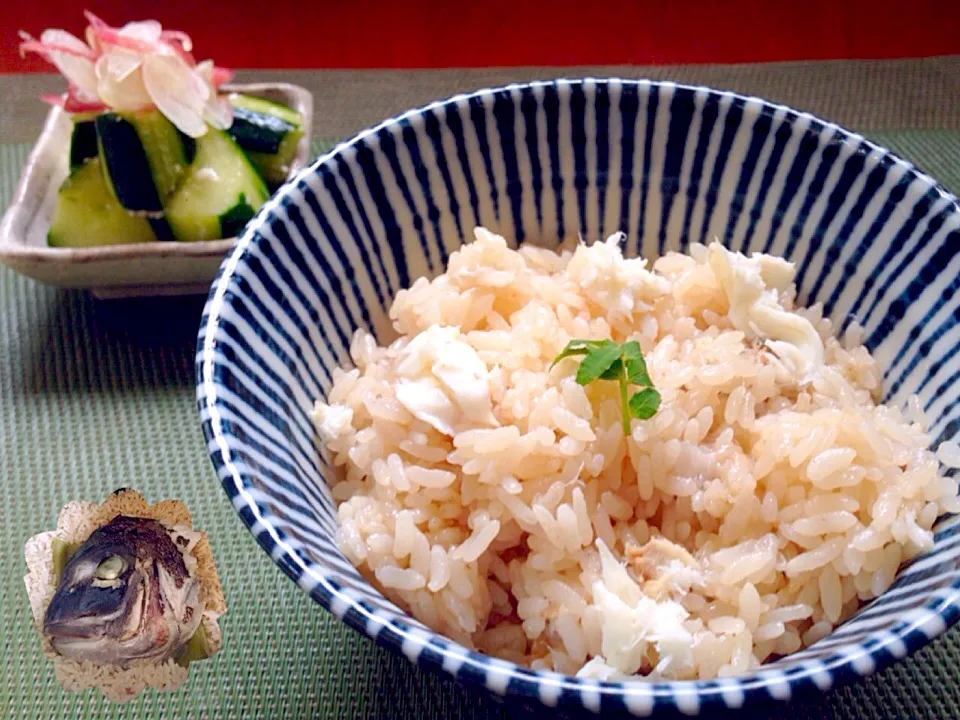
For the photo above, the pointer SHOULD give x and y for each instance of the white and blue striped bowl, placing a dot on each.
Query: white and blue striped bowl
(873, 239)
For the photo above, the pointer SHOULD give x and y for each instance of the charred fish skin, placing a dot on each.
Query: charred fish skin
(125, 594)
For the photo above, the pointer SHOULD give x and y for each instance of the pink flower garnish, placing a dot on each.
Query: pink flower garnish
(71, 103)
(137, 66)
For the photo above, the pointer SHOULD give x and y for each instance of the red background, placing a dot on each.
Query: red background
(448, 33)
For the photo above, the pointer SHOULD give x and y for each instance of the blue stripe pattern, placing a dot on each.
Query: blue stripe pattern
(874, 240)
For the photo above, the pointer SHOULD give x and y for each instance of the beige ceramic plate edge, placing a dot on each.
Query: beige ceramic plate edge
(160, 268)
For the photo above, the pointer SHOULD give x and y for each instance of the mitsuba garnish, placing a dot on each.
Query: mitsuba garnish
(623, 362)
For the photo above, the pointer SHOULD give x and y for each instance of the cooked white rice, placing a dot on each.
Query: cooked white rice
(500, 502)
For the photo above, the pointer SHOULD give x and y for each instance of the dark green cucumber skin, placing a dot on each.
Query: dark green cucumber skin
(161, 228)
(258, 132)
(83, 142)
(234, 220)
(189, 146)
(126, 164)
(267, 107)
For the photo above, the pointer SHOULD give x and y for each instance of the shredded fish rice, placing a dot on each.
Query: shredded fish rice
(500, 502)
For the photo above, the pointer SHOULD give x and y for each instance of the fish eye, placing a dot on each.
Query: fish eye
(110, 567)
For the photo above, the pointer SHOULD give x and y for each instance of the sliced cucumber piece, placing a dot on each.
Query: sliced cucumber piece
(269, 132)
(258, 131)
(266, 107)
(83, 140)
(275, 168)
(219, 194)
(143, 155)
(88, 214)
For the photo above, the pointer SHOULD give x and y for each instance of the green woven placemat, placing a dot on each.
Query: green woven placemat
(98, 395)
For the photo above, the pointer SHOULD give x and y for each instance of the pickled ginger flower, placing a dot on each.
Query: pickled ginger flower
(135, 67)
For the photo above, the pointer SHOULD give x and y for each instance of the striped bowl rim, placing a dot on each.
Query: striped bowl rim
(641, 697)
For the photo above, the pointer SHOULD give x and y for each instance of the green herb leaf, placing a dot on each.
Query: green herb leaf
(637, 372)
(614, 371)
(636, 366)
(577, 347)
(631, 350)
(607, 360)
(597, 362)
(644, 404)
(567, 352)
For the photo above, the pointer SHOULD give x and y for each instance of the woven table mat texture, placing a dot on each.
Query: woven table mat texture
(95, 395)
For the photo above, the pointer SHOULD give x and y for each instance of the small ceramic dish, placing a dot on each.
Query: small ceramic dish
(111, 271)
(876, 240)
